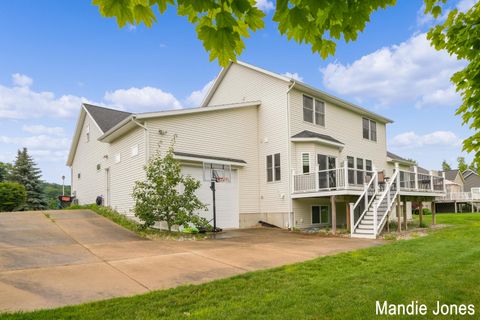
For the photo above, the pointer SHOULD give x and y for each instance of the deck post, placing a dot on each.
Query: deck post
(471, 203)
(399, 215)
(334, 214)
(376, 178)
(415, 170)
(345, 173)
(317, 178)
(420, 213)
(347, 217)
(444, 185)
(352, 221)
(434, 210)
(431, 181)
(455, 204)
(405, 214)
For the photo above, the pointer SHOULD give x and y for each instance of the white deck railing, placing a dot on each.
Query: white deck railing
(354, 179)
(460, 196)
(331, 179)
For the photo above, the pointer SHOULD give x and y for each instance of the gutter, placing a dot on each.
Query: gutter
(289, 153)
(146, 138)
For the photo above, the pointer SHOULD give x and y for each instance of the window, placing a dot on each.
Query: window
(320, 215)
(369, 129)
(307, 109)
(305, 162)
(134, 150)
(277, 166)
(99, 166)
(313, 111)
(351, 169)
(368, 165)
(87, 133)
(117, 158)
(273, 167)
(78, 175)
(360, 171)
(320, 113)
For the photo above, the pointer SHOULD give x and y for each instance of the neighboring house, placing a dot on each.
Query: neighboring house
(462, 192)
(300, 157)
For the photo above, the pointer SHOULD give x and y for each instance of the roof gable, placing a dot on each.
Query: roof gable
(104, 117)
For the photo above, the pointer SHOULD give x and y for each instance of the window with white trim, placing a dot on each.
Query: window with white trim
(273, 167)
(369, 129)
(117, 158)
(134, 150)
(313, 111)
(306, 162)
(320, 214)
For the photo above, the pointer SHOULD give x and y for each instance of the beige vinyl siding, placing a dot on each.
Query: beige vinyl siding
(130, 169)
(225, 133)
(303, 211)
(244, 84)
(88, 154)
(343, 125)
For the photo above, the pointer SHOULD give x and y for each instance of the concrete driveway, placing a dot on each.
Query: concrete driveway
(56, 258)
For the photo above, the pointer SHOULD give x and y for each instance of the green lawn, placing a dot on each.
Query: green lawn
(444, 266)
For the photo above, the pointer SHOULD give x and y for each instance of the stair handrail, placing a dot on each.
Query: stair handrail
(388, 188)
(362, 195)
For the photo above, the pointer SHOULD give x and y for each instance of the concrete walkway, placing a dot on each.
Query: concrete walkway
(55, 258)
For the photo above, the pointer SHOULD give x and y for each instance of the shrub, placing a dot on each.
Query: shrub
(190, 230)
(425, 211)
(12, 196)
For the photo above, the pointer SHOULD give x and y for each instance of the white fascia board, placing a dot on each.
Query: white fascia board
(318, 140)
(201, 160)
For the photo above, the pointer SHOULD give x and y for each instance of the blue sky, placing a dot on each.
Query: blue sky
(55, 54)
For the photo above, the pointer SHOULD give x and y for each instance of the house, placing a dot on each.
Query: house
(462, 192)
(299, 157)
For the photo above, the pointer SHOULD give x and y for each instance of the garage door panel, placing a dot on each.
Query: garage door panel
(227, 207)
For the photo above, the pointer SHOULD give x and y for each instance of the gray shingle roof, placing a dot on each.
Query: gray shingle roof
(396, 157)
(310, 134)
(106, 118)
(451, 174)
(193, 155)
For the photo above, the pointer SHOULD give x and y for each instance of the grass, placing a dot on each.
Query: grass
(443, 266)
(122, 220)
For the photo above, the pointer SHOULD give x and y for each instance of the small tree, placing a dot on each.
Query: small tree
(5, 171)
(166, 195)
(446, 166)
(26, 173)
(462, 165)
(12, 196)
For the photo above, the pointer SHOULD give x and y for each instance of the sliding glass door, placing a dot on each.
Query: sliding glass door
(327, 176)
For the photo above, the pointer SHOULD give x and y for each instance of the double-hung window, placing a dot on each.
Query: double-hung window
(305, 162)
(313, 111)
(273, 167)
(369, 129)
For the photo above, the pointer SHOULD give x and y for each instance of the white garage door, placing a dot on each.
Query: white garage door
(226, 198)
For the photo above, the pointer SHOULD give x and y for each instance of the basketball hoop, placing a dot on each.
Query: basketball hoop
(216, 173)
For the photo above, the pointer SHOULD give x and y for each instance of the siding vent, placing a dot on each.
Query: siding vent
(134, 150)
(117, 158)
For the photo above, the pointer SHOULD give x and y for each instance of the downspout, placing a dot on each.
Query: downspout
(289, 152)
(146, 138)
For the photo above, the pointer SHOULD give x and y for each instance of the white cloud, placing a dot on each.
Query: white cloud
(197, 96)
(39, 142)
(409, 73)
(21, 80)
(41, 129)
(294, 76)
(411, 139)
(143, 99)
(21, 102)
(265, 5)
